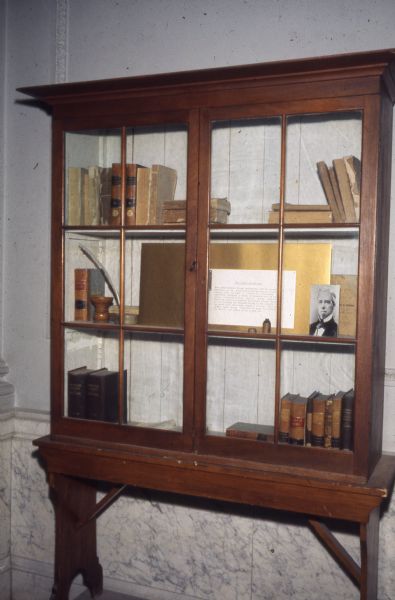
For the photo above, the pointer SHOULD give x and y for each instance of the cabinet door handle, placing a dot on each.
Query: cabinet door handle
(193, 265)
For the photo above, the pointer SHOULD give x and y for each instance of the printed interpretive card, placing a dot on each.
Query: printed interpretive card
(246, 297)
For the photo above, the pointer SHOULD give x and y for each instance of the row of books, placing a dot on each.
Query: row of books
(341, 183)
(93, 394)
(94, 194)
(321, 420)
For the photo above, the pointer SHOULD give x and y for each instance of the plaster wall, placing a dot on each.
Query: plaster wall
(175, 551)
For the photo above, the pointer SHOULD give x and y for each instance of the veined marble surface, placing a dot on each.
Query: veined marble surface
(159, 547)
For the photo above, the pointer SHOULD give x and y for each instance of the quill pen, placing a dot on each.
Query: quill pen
(103, 270)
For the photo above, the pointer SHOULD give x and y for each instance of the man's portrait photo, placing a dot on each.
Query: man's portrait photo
(324, 310)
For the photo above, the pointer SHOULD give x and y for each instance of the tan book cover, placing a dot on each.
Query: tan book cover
(323, 174)
(345, 190)
(142, 196)
(353, 168)
(91, 212)
(302, 207)
(285, 418)
(162, 189)
(74, 196)
(302, 216)
(336, 191)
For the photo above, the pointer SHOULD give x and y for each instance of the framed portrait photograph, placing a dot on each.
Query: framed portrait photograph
(324, 310)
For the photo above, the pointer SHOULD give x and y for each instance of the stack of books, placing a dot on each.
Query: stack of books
(341, 183)
(94, 194)
(301, 213)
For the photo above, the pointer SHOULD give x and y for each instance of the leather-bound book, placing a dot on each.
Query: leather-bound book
(328, 422)
(76, 392)
(309, 418)
(285, 417)
(336, 419)
(116, 194)
(297, 426)
(87, 283)
(131, 193)
(318, 420)
(347, 420)
(102, 396)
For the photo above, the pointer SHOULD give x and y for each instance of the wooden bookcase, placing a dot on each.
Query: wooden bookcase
(192, 282)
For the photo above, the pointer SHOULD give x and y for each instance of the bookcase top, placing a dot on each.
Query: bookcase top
(361, 64)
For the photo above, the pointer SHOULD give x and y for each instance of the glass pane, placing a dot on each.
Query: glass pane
(317, 394)
(91, 276)
(154, 281)
(323, 168)
(92, 375)
(245, 170)
(322, 270)
(91, 161)
(241, 388)
(154, 363)
(243, 285)
(156, 167)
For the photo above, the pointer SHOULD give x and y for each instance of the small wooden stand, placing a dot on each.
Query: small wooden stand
(73, 468)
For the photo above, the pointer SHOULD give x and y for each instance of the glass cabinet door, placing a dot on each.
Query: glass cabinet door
(124, 247)
(283, 280)
(243, 278)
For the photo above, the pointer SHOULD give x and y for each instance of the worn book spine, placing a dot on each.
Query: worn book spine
(353, 169)
(345, 190)
(74, 188)
(318, 421)
(105, 195)
(297, 426)
(328, 422)
(143, 196)
(285, 418)
(323, 174)
(336, 191)
(116, 194)
(81, 294)
(87, 283)
(347, 420)
(130, 194)
(95, 396)
(92, 197)
(76, 392)
(102, 396)
(162, 189)
(309, 418)
(336, 420)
